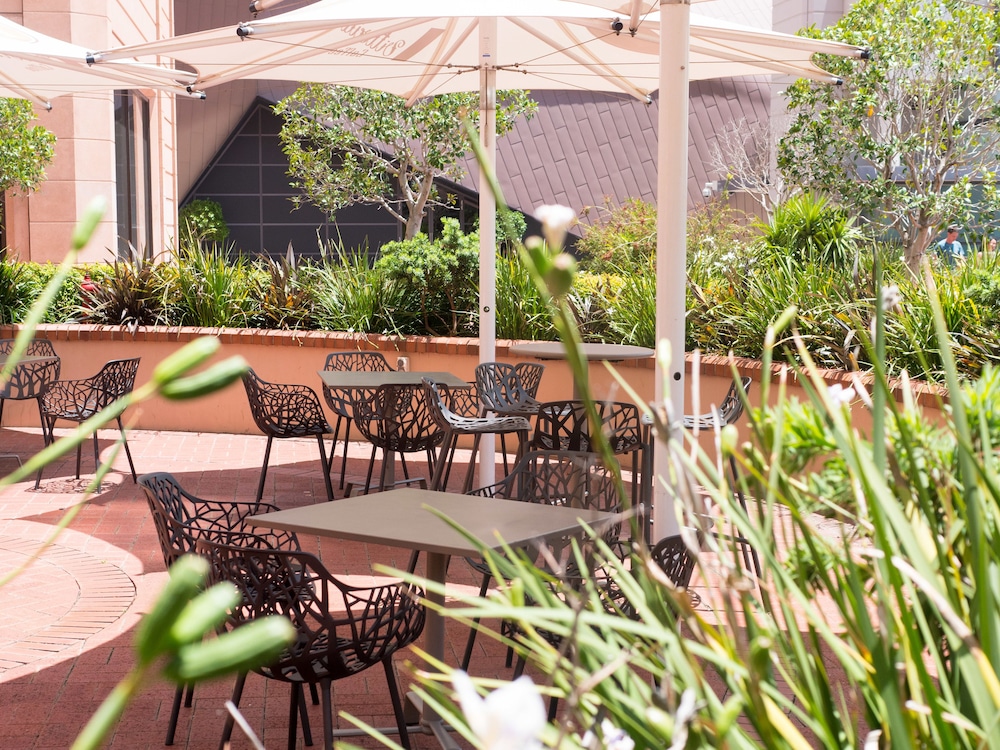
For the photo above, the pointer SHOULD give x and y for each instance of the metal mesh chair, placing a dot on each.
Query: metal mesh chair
(563, 425)
(509, 391)
(341, 629)
(181, 519)
(339, 399)
(79, 400)
(396, 419)
(30, 379)
(287, 411)
(455, 424)
(552, 477)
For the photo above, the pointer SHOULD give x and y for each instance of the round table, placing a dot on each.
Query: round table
(602, 352)
(597, 352)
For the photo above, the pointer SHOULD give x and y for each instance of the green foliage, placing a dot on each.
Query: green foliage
(352, 296)
(523, 312)
(287, 300)
(442, 273)
(14, 291)
(624, 238)
(129, 293)
(202, 220)
(65, 305)
(210, 288)
(890, 141)
(812, 229)
(25, 150)
(350, 145)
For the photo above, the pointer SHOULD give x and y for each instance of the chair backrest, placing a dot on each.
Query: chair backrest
(340, 629)
(398, 418)
(674, 557)
(36, 347)
(181, 518)
(31, 379)
(115, 379)
(437, 395)
(284, 410)
(531, 376)
(563, 425)
(339, 399)
(575, 479)
(731, 408)
(357, 362)
(501, 388)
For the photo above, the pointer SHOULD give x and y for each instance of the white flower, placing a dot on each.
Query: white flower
(840, 395)
(613, 738)
(891, 298)
(556, 221)
(510, 718)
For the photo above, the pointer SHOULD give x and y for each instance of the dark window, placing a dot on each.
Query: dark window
(133, 167)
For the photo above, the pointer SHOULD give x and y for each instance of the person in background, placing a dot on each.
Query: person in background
(950, 250)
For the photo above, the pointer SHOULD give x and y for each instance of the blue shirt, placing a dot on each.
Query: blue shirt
(949, 252)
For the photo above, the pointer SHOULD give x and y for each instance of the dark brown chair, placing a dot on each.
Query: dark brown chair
(30, 379)
(563, 425)
(551, 477)
(339, 399)
(79, 400)
(455, 424)
(287, 411)
(181, 519)
(398, 420)
(341, 630)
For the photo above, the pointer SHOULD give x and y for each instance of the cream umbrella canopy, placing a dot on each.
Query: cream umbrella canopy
(39, 67)
(418, 49)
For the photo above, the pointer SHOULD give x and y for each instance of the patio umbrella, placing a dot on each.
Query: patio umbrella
(439, 46)
(39, 67)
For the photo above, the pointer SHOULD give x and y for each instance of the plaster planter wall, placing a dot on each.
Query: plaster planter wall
(296, 356)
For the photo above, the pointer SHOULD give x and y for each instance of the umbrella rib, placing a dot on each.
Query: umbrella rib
(805, 69)
(26, 92)
(433, 67)
(595, 66)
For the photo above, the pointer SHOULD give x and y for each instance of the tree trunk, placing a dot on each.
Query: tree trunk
(916, 249)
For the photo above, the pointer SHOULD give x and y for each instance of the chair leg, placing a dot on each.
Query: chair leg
(128, 453)
(743, 542)
(471, 642)
(397, 703)
(443, 468)
(46, 433)
(326, 468)
(227, 729)
(293, 715)
(263, 469)
(327, 715)
(471, 471)
(343, 461)
(175, 711)
(189, 696)
(307, 737)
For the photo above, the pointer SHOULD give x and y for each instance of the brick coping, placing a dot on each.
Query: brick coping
(709, 364)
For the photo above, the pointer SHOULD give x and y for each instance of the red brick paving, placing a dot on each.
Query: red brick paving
(66, 623)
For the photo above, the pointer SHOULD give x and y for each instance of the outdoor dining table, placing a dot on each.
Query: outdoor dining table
(361, 380)
(592, 351)
(405, 518)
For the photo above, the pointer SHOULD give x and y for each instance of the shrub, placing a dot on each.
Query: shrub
(209, 287)
(625, 237)
(14, 291)
(811, 229)
(351, 295)
(287, 300)
(201, 220)
(128, 293)
(442, 274)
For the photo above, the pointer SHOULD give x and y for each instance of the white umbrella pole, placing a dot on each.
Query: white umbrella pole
(487, 225)
(671, 235)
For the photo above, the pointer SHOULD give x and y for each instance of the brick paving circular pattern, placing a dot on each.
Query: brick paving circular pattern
(61, 599)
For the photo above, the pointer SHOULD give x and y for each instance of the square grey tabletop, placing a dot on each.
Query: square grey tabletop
(402, 518)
